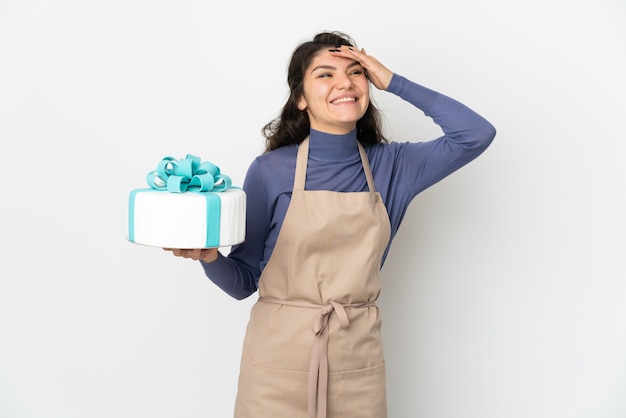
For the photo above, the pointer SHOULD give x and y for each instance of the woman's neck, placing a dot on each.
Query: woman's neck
(331, 147)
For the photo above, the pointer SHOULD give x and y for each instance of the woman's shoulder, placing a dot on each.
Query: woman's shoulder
(278, 154)
(275, 161)
(387, 149)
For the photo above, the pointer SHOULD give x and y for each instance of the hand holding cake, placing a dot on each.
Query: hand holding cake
(199, 254)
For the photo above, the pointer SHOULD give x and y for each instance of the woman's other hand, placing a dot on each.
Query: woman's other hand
(377, 73)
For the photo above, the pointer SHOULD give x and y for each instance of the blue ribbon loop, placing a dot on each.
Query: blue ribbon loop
(188, 175)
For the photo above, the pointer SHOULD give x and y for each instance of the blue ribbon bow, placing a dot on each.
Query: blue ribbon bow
(189, 174)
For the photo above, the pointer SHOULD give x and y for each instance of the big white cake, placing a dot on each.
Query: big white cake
(190, 204)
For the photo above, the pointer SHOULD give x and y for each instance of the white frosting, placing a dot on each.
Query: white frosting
(179, 220)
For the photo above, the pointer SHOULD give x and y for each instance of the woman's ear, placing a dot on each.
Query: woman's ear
(301, 104)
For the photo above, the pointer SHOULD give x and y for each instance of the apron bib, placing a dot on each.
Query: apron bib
(313, 346)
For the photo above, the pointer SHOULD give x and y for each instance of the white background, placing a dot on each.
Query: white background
(504, 293)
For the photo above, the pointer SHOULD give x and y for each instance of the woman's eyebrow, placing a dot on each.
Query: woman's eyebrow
(323, 67)
(330, 67)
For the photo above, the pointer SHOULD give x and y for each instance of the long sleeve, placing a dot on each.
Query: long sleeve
(402, 170)
(466, 135)
(238, 273)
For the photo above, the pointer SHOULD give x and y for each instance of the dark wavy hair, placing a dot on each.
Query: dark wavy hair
(293, 126)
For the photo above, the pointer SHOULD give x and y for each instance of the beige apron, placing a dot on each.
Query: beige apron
(313, 346)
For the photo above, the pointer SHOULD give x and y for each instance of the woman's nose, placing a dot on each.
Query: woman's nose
(344, 81)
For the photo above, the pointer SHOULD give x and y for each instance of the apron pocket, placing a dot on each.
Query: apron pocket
(358, 393)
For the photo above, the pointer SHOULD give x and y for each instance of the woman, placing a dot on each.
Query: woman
(324, 203)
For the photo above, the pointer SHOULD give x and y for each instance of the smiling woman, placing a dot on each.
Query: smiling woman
(336, 91)
(325, 200)
(323, 58)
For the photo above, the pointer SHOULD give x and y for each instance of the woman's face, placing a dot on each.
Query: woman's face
(335, 93)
